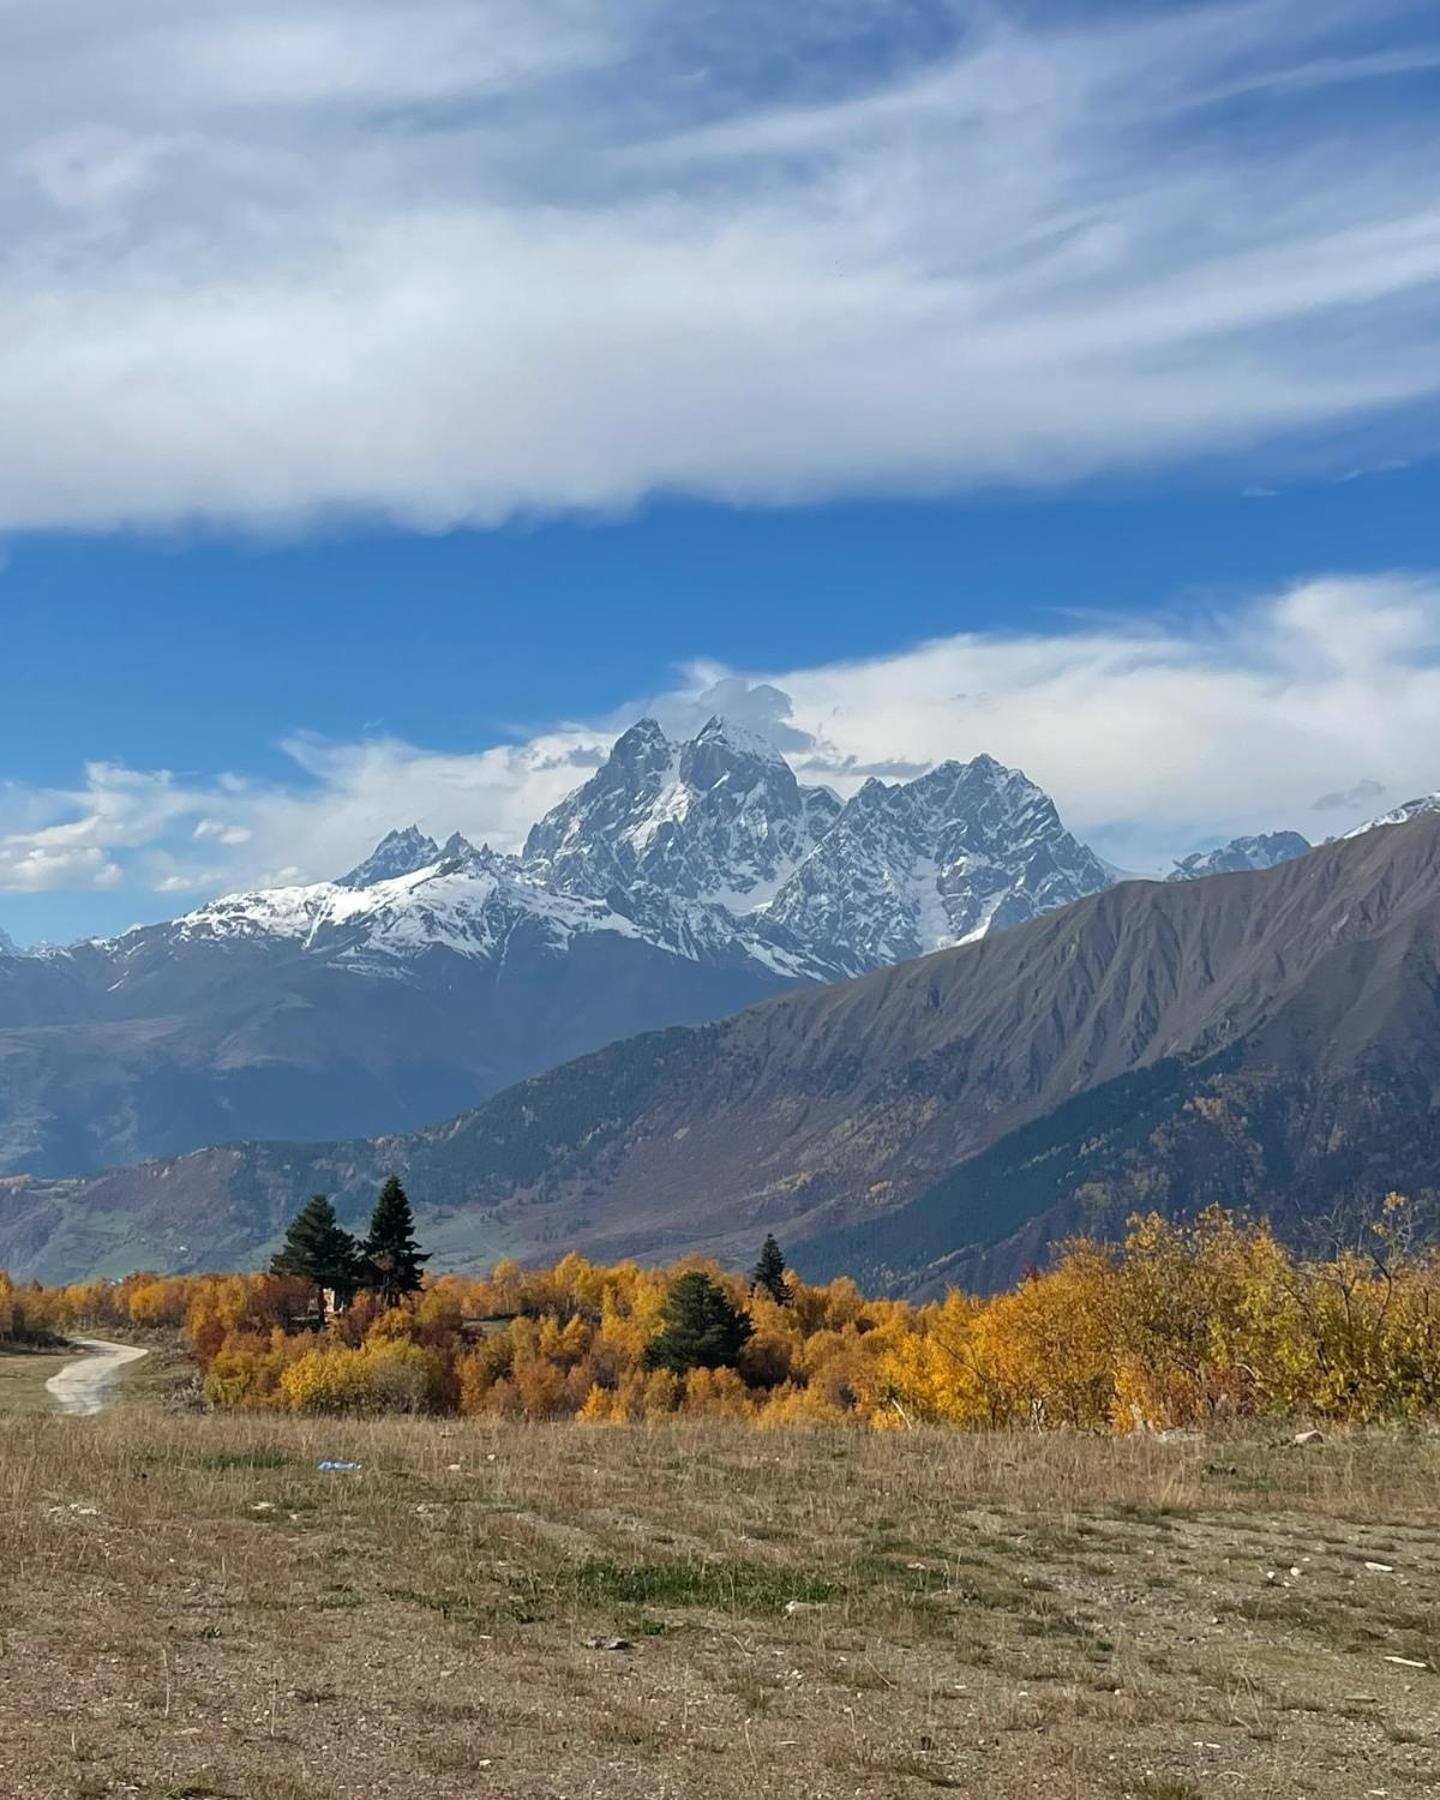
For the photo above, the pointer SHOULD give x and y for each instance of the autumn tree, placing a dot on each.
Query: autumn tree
(319, 1250)
(392, 1256)
(769, 1273)
(700, 1328)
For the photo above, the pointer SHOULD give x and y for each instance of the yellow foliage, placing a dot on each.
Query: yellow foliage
(717, 1394)
(385, 1375)
(1184, 1324)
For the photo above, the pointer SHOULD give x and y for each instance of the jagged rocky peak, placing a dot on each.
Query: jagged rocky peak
(397, 853)
(721, 749)
(577, 831)
(8, 946)
(720, 817)
(459, 855)
(1241, 853)
(457, 852)
(980, 804)
(711, 849)
(968, 847)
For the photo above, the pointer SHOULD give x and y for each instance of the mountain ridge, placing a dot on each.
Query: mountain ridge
(1308, 991)
(679, 883)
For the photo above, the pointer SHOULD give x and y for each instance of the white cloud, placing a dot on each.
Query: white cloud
(1153, 738)
(37, 868)
(458, 260)
(221, 832)
(344, 797)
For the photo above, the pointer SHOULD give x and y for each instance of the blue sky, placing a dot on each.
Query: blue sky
(395, 399)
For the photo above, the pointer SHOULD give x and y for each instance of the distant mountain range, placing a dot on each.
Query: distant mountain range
(1268, 1037)
(682, 882)
(1240, 854)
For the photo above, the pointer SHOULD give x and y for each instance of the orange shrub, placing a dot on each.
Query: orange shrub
(1183, 1324)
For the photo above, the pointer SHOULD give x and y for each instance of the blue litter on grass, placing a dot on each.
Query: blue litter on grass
(337, 1465)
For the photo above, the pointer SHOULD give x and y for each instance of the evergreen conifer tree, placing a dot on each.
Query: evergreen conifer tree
(700, 1328)
(393, 1258)
(319, 1250)
(769, 1272)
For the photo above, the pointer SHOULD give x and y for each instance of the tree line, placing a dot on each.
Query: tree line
(1185, 1324)
(700, 1326)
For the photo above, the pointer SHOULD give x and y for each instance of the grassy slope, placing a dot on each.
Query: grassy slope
(189, 1606)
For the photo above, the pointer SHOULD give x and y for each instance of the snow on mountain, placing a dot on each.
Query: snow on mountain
(1241, 853)
(965, 849)
(397, 853)
(709, 849)
(719, 819)
(8, 946)
(409, 895)
(1412, 809)
(460, 849)
(467, 901)
(683, 883)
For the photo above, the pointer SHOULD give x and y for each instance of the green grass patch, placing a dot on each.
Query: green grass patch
(741, 1588)
(262, 1457)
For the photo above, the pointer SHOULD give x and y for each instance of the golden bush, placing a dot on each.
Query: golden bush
(1185, 1324)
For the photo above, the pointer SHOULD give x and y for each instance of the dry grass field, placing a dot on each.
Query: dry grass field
(190, 1607)
(23, 1375)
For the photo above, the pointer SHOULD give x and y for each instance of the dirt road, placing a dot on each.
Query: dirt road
(84, 1387)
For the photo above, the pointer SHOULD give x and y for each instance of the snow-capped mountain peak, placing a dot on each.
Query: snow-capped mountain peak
(912, 868)
(708, 849)
(397, 853)
(471, 905)
(459, 851)
(8, 946)
(683, 881)
(722, 734)
(720, 818)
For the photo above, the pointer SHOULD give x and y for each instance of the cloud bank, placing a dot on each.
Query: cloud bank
(1154, 739)
(454, 261)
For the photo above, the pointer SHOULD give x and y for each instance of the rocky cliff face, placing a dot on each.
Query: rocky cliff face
(905, 870)
(720, 819)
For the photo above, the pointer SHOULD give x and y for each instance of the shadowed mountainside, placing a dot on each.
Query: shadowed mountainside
(1279, 1033)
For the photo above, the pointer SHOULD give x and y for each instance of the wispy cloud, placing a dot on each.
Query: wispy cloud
(453, 262)
(1152, 737)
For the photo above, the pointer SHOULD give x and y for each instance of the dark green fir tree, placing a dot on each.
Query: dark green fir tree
(393, 1258)
(769, 1272)
(319, 1250)
(700, 1328)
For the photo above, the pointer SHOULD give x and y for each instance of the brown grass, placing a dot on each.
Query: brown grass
(23, 1374)
(189, 1607)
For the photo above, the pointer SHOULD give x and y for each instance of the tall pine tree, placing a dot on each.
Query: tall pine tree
(769, 1272)
(700, 1329)
(393, 1258)
(319, 1250)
